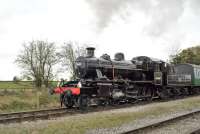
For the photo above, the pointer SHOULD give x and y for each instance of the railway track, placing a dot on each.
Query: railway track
(196, 132)
(59, 112)
(33, 115)
(145, 129)
(51, 113)
(45, 114)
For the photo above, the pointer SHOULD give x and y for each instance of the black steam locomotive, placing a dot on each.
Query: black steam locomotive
(103, 81)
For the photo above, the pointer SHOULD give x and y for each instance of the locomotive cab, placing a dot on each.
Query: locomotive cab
(154, 69)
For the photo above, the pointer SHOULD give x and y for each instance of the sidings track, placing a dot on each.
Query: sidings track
(45, 114)
(163, 123)
(52, 113)
(33, 115)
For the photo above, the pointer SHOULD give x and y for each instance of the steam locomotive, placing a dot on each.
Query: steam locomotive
(103, 81)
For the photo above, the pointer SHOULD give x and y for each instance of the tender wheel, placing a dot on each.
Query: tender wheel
(163, 93)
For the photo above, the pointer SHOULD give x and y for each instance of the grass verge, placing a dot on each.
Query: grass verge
(22, 100)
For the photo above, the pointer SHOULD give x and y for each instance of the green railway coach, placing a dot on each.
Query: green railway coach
(185, 75)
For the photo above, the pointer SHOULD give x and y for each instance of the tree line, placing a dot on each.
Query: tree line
(189, 55)
(37, 60)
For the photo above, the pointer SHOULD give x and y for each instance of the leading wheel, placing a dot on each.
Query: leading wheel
(68, 99)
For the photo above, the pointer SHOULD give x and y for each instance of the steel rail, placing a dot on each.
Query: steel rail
(33, 115)
(164, 122)
(58, 112)
(195, 132)
(31, 111)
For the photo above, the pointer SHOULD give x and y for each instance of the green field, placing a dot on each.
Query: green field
(21, 100)
(21, 84)
(16, 85)
(23, 95)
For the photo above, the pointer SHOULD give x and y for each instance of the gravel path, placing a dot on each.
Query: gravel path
(153, 119)
(185, 126)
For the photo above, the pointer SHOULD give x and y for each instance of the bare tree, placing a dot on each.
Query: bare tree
(37, 60)
(70, 51)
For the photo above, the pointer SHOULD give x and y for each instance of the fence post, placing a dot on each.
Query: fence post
(38, 99)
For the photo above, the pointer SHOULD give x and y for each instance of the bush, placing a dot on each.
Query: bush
(16, 79)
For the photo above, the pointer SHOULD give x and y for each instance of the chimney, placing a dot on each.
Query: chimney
(90, 52)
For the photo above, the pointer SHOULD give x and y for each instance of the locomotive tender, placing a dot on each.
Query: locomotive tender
(103, 81)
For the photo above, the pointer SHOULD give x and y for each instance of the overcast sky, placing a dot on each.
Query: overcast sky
(153, 28)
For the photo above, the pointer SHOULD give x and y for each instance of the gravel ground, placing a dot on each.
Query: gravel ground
(185, 126)
(146, 121)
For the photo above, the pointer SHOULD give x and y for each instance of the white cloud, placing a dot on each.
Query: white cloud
(148, 27)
